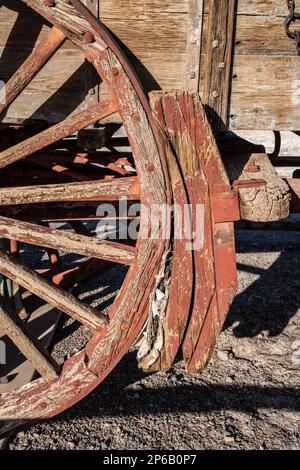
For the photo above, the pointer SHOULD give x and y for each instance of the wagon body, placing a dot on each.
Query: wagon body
(236, 54)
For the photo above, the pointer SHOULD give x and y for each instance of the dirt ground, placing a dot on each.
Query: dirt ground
(248, 397)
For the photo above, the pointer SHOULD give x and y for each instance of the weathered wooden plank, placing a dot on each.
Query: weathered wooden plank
(263, 36)
(141, 10)
(55, 296)
(214, 259)
(84, 191)
(261, 7)
(219, 61)
(147, 45)
(194, 42)
(260, 81)
(66, 241)
(57, 132)
(17, 331)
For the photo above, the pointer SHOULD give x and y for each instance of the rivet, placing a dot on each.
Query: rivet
(115, 71)
(135, 118)
(92, 91)
(88, 37)
(215, 94)
(150, 167)
(215, 44)
(193, 75)
(49, 3)
(222, 65)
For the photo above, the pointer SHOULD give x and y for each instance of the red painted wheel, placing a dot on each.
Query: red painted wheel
(58, 387)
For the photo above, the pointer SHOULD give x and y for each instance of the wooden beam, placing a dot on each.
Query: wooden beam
(52, 294)
(29, 346)
(194, 40)
(32, 65)
(66, 241)
(57, 132)
(111, 190)
(218, 66)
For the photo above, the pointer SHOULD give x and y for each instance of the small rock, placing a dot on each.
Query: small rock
(229, 440)
(71, 445)
(223, 355)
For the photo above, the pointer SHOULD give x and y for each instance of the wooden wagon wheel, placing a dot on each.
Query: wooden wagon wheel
(60, 387)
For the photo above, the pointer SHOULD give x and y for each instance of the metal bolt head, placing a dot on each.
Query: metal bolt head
(88, 37)
(115, 71)
(150, 167)
(192, 75)
(49, 3)
(215, 94)
(215, 44)
(135, 118)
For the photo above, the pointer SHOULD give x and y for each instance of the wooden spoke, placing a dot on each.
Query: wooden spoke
(63, 211)
(66, 241)
(21, 336)
(111, 190)
(37, 59)
(52, 294)
(58, 131)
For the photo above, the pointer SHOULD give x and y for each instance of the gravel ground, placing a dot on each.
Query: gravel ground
(247, 398)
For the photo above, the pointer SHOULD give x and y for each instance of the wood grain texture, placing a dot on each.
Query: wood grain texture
(84, 191)
(144, 29)
(219, 51)
(55, 296)
(66, 241)
(29, 346)
(194, 43)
